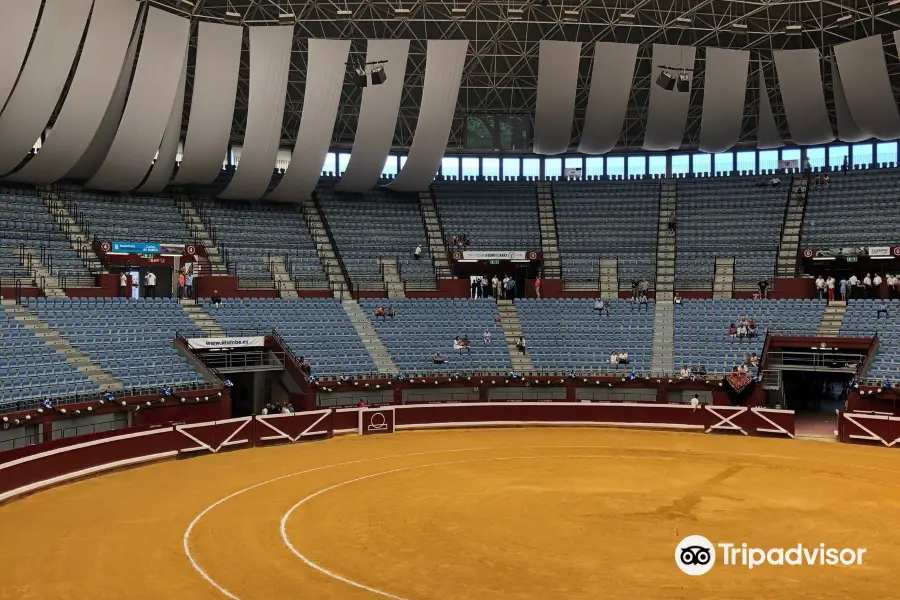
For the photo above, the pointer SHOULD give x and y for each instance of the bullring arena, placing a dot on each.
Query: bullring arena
(525, 300)
(523, 512)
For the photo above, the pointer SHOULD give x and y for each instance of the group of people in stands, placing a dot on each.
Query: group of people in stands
(460, 241)
(618, 358)
(746, 328)
(384, 311)
(692, 371)
(278, 408)
(871, 287)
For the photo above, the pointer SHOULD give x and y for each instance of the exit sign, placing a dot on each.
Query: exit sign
(851, 258)
(495, 262)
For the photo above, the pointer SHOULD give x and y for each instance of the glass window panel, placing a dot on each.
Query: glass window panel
(490, 167)
(236, 155)
(791, 154)
(746, 161)
(768, 160)
(470, 166)
(637, 166)
(615, 166)
(531, 167)
(723, 162)
(330, 165)
(343, 161)
(552, 167)
(511, 167)
(450, 166)
(390, 165)
(862, 154)
(816, 157)
(593, 165)
(574, 162)
(887, 152)
(836, 155)
(657, 165)
(402, 161)
(681, 164)
(702, 164)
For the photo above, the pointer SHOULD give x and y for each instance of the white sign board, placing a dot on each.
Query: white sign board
(226, 343)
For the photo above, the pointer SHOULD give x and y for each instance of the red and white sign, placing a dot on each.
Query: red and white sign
(376, 420)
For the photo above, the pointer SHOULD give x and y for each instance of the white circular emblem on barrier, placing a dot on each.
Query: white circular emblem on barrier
(457, 256)
(695, 555)
(191, 250)
(896, 250)
(105, 247)
(808, 253)
(532, 255)
(377, 422)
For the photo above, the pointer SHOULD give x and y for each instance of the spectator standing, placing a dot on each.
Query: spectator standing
(511, 288)
(504, 286)
(537, 286)
(634, 288)
(695, 402)
(820, 287)
(853, 290)
(189, 285)
(643, 287)
(520, 345)
(417, 253)
(844, 289)
(806, 166)
(829, 283)
(867, 285)
(123, 285)
(876, 285)
(892, 283)
(150, 285)
(846, 164)
(181, 282)
(495, 284)
(763, 286)
(642, 301)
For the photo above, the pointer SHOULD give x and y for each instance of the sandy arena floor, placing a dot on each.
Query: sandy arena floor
(528, 514)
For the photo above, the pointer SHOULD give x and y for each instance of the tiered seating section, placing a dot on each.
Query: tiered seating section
(31, 370)
(862, 319)
(315, 328)
(701, 328)
(131, 339)
(423, 327)
(132, 218)
(494, 216)
(568, 334)
(728, 217)
(26, 221)
(249, 235)
(857, 208)
(374, 226)
(604, 220)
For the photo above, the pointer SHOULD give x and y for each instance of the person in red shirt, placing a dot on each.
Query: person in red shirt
(537, 286)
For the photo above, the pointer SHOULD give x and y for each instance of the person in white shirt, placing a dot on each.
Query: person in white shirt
(600, 306)
(614, 359)
(876, 285)
(742, 331)
(854, 282)
(150, 284)
(892, 282)
(486, 337)
(820, 288)
(418, 251)
(867, 283)
(123, 286)
(623, 358)
(495, 283)
(505, 286)
(695, 402)
(829, 283)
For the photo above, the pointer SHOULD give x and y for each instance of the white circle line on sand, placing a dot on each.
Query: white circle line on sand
(225, 592)
(310, 563)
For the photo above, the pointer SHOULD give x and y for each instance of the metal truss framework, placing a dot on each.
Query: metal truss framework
(501, 71)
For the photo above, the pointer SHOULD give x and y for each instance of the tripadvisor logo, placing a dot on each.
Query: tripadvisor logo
(696, 555)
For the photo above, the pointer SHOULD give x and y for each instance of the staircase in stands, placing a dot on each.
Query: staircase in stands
(286, 287)
(51, 337)
(549, 238)
(78, 239)
(383, 360)
(194, 220)
(794, 212)
(391, 278)
(832, 319)
(663, 361)
(46, 282)
(665, 242)
(437, 247)
(609, 278)
(723, 282)
(338, 280)
(201, 318)
(512, 330)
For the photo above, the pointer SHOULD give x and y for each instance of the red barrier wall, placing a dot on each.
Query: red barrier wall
(28, 469)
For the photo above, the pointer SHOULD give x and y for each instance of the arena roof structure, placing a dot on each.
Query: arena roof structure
(120, 84)
(502, 67)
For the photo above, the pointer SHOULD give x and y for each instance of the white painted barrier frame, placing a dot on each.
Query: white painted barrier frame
(229, 441)
(281, 435)
(726, 423)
